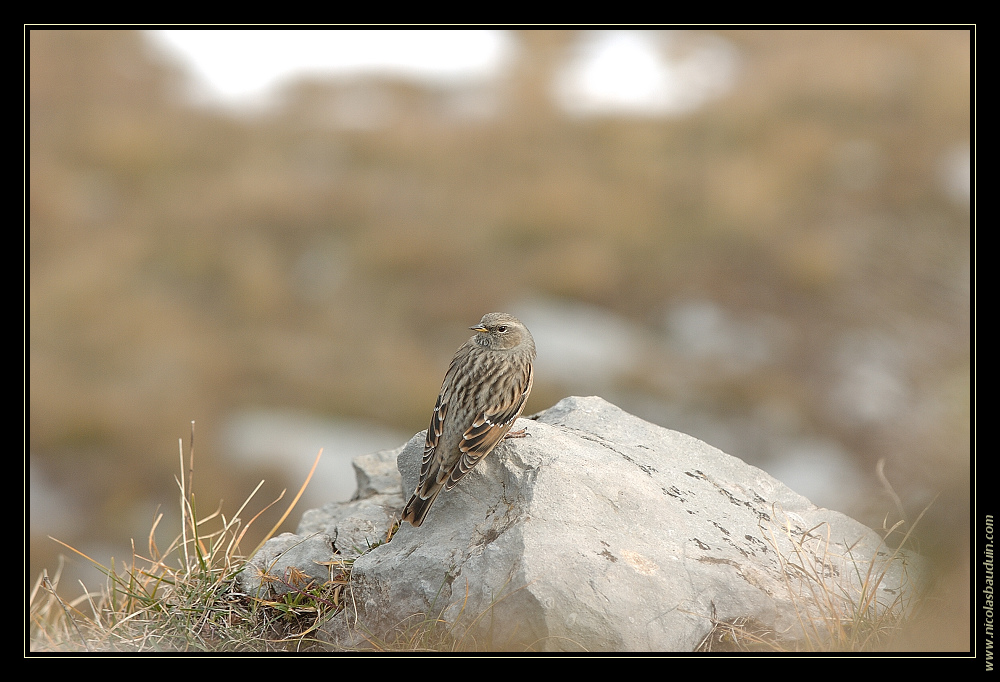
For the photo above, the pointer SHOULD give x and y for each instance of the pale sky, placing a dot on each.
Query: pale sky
(612, 72)
(238, 63)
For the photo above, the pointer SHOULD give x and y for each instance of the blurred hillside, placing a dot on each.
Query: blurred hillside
(784, 272)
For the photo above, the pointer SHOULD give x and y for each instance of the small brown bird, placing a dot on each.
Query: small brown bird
(482, 394)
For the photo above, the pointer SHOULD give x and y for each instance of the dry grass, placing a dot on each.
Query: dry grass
(835, 612)
(184, 597)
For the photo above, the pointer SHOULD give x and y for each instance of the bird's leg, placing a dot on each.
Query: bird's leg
(520, 433)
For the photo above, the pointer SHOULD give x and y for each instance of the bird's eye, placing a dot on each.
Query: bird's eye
(502, 328)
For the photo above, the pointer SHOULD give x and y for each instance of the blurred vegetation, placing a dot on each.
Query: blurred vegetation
(184, 263)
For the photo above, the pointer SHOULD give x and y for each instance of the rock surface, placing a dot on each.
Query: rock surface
(598, 532)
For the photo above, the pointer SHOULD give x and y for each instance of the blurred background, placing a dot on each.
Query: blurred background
(760, 238)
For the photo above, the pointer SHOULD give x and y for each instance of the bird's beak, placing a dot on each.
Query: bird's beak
(479, 328)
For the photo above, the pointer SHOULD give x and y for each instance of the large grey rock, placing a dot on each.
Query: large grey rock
(603, 532)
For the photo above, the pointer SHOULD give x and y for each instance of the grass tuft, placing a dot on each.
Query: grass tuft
(835, 611)
(184, 597)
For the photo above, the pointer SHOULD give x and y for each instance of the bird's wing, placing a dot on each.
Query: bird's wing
(434, 432)
(491, 425)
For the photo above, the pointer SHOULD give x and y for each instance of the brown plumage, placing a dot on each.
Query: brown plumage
(482, 394)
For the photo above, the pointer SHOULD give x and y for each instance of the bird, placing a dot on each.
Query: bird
(483, 393)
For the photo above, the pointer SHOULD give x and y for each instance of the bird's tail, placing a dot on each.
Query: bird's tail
(416, 509)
